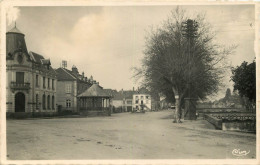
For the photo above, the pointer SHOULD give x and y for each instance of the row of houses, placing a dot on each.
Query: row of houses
(34, 86)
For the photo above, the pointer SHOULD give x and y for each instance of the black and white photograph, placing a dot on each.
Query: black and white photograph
(129, 83)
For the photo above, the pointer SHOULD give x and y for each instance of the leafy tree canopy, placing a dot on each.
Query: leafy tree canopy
(244, 78)
(181, 58)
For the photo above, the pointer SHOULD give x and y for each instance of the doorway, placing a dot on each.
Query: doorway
(19, 102)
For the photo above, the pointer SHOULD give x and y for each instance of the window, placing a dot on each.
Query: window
(37, 101)
(53, 103)
(142, 97)
(136, 97)
(129, 102)
(48, 102)
(48, 83)
(37, 80)
(52, 84)
(43, 84)
(147, 97)
(136, 101)
(68, 103)
(68, 88)
(20, 77)
(43, 102)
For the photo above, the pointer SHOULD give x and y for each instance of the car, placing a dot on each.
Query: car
(172, 107)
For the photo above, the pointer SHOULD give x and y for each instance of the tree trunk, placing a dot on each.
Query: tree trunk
(177, 116)
(177, 111)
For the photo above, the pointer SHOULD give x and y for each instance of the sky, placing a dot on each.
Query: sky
(106, 41)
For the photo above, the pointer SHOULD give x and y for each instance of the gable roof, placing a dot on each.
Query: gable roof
(94, 91)
(64, 75)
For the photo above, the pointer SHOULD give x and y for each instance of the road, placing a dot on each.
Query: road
(123, 136)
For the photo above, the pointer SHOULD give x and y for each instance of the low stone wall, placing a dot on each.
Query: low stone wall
(243, 126)
(244, 122)
(213, 120)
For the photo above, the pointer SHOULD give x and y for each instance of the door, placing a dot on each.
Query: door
(19, 102)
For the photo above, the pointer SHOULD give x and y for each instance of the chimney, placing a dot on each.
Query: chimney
(75, 70)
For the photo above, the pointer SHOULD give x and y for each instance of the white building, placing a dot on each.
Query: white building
(142, 100)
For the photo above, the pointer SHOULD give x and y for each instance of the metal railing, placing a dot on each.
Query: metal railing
(17, 85)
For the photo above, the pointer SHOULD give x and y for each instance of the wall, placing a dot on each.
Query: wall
(62, 96)
(243, 126)
(117, 103)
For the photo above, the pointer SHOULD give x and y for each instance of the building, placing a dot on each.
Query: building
(128, 100)
(121, 100)
(142, 100)
(70, 84)
(30, 79)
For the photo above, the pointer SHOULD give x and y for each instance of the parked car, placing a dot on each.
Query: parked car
(172, 107)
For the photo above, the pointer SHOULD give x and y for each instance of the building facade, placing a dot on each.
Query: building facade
(70, 84)
(142, 100)
(30, 79)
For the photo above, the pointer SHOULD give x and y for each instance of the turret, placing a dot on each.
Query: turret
(15, 42)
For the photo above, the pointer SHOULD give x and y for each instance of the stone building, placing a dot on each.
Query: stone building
(70, 84)
(30, 79)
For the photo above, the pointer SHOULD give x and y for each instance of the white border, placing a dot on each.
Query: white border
(5, 3)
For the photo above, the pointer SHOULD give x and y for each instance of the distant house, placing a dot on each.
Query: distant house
(118, 101)
(128, 100)
(70, 84)
(142, 100)
(121, 100)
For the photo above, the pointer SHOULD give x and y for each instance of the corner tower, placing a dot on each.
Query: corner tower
(15, 42)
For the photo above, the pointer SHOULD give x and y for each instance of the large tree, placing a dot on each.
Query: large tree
(181, 58)
(244, 78)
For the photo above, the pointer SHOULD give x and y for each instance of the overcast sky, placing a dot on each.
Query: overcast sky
(106, 42)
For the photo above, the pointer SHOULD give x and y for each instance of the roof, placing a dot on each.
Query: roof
(110, 92)
(94, 91)
(39, 59)
(15, 30)
(129, 94)
(63, 74)
(119, 96)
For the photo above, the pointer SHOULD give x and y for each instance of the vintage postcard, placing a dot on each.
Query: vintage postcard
(129, 82)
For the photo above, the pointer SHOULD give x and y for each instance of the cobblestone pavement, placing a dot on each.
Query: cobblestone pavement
(151, 135)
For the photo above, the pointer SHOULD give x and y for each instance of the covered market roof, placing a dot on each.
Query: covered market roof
(94, 91)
